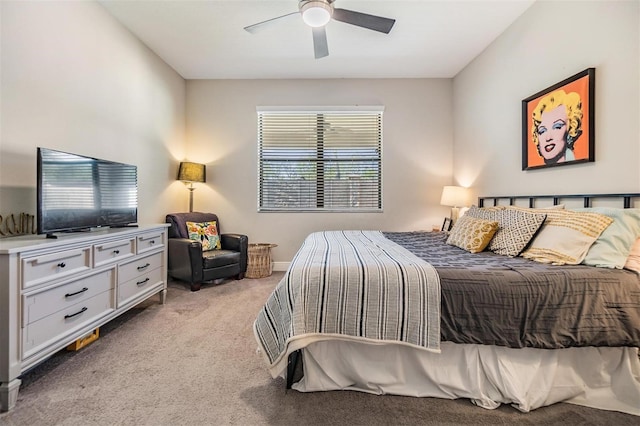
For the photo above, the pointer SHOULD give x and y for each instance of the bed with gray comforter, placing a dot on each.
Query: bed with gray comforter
(373, 286)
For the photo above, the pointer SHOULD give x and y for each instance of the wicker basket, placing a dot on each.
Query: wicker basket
(259, 262)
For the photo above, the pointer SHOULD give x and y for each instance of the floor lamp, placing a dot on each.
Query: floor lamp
(190, 173)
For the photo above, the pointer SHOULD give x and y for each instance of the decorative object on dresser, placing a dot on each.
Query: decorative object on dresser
(190, 173)
(24, 224)
(56, 291)
(225, 255)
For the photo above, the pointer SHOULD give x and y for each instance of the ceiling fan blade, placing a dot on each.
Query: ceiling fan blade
(261, 25)
(320, 46)
(359, 19)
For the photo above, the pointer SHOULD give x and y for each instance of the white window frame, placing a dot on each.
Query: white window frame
(309, 110)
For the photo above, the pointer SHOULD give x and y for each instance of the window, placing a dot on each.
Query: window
(320, 160)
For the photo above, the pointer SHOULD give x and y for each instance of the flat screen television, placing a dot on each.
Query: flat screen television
(78, 193)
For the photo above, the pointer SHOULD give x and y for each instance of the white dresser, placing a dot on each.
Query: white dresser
(54, 291)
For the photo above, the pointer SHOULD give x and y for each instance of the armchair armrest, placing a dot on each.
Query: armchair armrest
(185, 259)
(237, 242)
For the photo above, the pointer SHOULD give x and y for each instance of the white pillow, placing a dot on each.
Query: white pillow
(612, 247)
(633, 261)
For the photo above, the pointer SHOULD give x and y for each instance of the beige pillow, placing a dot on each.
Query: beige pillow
(633, 261)
(565, 236)
(472, 234)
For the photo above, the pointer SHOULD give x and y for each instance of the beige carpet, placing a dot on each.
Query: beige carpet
(193, 361)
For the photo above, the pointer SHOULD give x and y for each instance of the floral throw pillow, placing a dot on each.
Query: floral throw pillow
(205, 233)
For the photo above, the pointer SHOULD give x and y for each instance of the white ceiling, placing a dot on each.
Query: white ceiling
(205, 39)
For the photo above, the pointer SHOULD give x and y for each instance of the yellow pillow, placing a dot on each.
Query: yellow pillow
(472, 234)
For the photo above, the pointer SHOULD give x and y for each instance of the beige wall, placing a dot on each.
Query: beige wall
(74, 79)
(417, 153)
(548, 43)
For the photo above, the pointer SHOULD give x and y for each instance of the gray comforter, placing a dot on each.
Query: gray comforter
(497, 300)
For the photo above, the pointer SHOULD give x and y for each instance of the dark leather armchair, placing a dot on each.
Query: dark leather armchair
(187, 261)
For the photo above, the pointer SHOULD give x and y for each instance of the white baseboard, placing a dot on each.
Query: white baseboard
(281, 266)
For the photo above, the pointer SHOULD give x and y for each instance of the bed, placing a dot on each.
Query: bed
(411, 313)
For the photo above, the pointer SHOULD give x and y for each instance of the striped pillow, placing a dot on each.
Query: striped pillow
(565, 236)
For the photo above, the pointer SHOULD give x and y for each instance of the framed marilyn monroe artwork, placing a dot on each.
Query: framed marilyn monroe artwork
(558, 123)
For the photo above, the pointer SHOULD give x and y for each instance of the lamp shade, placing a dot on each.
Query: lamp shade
(192, 172)
(454, 196)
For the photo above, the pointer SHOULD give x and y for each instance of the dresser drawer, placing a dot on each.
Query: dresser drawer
(139, 267)
(129, 290)
(150, 241)
(48, 267)
(53, 328)
(40, 304)
(113, 251)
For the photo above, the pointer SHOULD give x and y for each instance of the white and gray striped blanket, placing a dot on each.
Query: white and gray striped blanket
(354, 285)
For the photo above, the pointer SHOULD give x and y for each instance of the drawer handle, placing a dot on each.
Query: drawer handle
(143, 281)
(116, 252)
(143, 266)
(152, 242)
(77, 292)
(61, 265)
(77, 313)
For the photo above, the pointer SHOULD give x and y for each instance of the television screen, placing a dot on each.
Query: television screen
(78, 193)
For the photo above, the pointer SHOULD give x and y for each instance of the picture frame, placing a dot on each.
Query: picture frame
(558, 123)
(447, 224)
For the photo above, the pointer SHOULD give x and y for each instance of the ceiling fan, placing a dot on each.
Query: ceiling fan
(317, 13)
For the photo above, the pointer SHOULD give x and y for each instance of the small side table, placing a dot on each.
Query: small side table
(259, 263)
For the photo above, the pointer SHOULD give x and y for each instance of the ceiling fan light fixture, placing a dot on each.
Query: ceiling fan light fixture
(316, 13)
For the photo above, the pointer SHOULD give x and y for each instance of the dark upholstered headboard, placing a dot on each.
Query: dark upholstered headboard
(625, 199)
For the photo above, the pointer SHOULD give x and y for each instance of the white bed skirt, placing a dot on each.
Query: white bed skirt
(604, 378)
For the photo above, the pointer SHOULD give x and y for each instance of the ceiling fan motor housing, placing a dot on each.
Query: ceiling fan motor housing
(316, 13)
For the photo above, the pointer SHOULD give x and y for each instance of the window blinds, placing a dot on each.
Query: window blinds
(311, 160)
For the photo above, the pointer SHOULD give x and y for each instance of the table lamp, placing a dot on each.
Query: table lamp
(455, 197)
